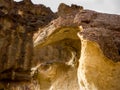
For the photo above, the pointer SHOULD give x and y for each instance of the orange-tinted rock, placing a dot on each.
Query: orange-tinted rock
(72, 40)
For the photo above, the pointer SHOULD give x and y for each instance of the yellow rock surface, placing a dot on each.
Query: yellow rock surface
(95, 71)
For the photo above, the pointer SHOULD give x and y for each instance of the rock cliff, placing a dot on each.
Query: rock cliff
(72, 49)
(18, 22)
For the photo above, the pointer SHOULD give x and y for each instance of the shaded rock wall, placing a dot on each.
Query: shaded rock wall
(18, 22)
(58, 57)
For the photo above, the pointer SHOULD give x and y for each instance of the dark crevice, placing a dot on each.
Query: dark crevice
(119, 52)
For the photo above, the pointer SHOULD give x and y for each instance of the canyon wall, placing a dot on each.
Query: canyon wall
(72, 49)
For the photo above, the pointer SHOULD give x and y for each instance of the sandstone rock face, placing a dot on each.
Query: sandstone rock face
(100, 54)
(58, 57)
(18, 22)
(57, 76)
(72, 49)
(99, 46)
(98, 69)
(96, 72)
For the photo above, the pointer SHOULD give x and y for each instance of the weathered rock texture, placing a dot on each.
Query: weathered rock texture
(98, 43)
(18, 22)
(59, 64)
(72, 49)
(100, 54)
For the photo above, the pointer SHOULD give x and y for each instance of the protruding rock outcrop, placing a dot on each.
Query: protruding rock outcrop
(95, 70)
(98, 46)
(71, 49)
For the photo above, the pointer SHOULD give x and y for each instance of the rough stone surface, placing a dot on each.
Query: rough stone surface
(59, 56)
(72, 49)
(18, 22)
(99, 63)
(95, 71)
(56, 76)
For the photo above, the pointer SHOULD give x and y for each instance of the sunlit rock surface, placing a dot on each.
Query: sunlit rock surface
(99, 54)
(72, 49)
(99, 62)
(96, 72)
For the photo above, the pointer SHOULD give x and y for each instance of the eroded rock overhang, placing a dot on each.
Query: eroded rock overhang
(98, 45)
(101, 28)
(62, 37)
